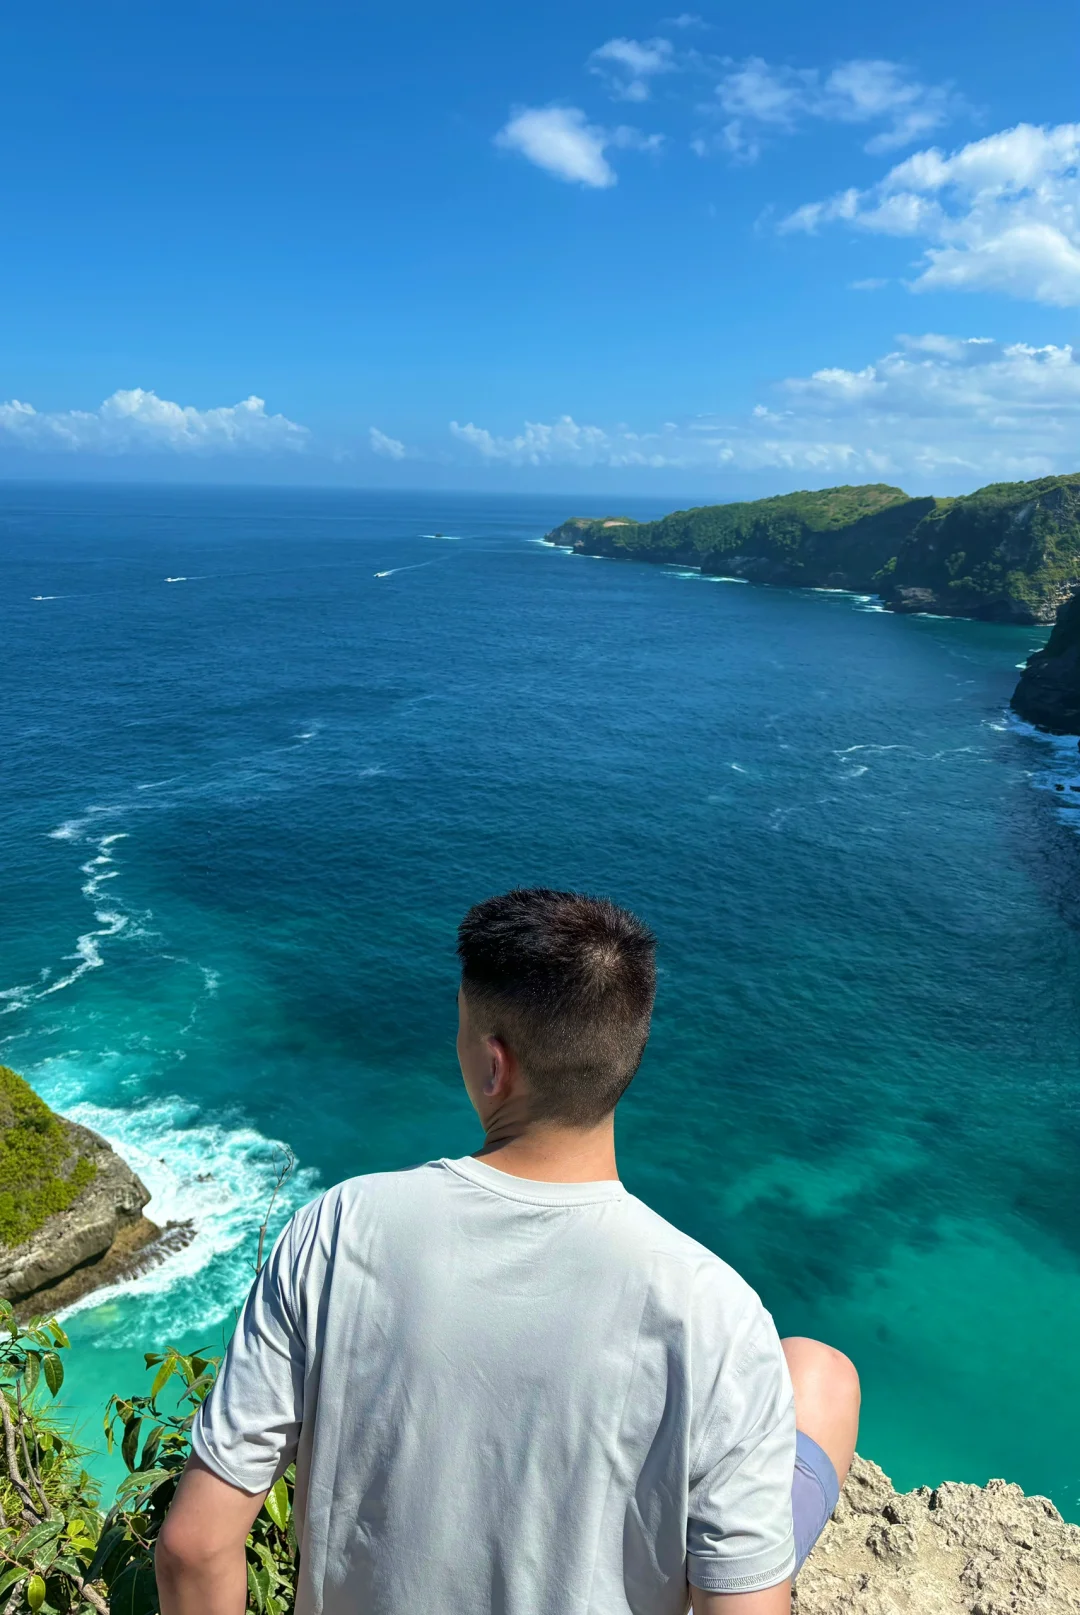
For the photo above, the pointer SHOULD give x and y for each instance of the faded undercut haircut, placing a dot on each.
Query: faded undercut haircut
(567, 982)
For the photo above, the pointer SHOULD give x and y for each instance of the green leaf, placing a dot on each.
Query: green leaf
(153, 1357)
(11, 1578)
(144, 1481)
(135, 1590)
(110, 1541)
(277, 1504)
(267, 1559)
(258, 1586)
(130, 1444)
(150, 1446)
(59, 1337)
(35, 1592)
(31, 1369)
(163, 1376)
(37, 1537)
(54, 1372)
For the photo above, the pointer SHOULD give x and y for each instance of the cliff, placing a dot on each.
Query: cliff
(954, 1550)
(1048, 693)
(70, 1209)
(1008, 553)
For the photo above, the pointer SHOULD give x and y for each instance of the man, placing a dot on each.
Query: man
(509, 1388)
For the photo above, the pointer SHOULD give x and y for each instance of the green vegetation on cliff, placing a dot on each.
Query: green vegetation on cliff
(40, 1171)
(1009, 552)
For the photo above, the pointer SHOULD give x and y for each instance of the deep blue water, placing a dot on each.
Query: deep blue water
(261, 751)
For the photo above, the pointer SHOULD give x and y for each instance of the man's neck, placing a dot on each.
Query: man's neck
(550, 1154)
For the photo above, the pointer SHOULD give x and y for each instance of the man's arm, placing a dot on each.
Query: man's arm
(199, 1560)
(772, 1601)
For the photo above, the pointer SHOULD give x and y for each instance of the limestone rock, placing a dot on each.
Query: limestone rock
(72, 1239)
(954, 1550)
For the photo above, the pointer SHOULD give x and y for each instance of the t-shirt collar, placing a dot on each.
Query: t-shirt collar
(531, 1191)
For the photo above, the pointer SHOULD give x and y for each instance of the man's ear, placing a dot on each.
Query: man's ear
(497, 1081)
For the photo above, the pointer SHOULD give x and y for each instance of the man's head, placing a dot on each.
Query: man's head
(556, 994)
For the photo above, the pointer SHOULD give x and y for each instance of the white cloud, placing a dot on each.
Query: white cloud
(563, 143)
(937, 405)
(627, 65)
(138, 421)
(757, 95)
(1000, 214)
(560, 140)
(565, 442)
(388, 448)
(937, 412)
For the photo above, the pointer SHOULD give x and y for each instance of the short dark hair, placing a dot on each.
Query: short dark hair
(568, 983)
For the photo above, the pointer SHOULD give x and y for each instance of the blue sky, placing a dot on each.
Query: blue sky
(577, 247)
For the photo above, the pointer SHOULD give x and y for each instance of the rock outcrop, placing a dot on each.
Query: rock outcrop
(1009, 552)
(953, 1550)
(71, 1211)
(107, 1211)
(1048, 693)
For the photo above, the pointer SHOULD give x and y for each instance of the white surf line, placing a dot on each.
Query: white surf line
(87, 955)
(1060, 775)
(201, 1172)
(413, 567)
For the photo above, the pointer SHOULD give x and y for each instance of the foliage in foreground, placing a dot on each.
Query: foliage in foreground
(59, 1555)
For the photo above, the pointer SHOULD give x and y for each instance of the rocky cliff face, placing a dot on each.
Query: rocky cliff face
(1048, 693)
(107, 1213)
(956, 1550)
(1007, 553)
(71, 1211)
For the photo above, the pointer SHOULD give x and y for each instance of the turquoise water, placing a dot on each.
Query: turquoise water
(263, 749)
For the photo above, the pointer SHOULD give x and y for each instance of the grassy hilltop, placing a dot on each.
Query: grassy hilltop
(1009, 552)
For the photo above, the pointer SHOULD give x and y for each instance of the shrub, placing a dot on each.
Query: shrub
(58, 1555)
(40, 1171)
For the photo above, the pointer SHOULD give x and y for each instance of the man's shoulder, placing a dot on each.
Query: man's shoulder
(374, 1189)
(708, 1273)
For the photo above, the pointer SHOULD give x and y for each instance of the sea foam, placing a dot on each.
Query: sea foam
(218, 1178)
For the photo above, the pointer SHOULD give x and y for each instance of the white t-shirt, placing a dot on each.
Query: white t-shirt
(506, 1397)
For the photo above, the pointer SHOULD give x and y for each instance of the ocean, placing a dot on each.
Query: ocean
(263, 748)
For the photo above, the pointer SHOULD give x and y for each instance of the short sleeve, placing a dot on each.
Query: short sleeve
(248, 1428)
(739, 1530)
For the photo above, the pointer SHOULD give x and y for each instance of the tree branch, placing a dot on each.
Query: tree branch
(284, 1172)
(12, 1460)
(31, 1473)
(94, 1599)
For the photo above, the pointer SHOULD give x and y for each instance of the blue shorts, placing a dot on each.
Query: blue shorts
(815, 1492)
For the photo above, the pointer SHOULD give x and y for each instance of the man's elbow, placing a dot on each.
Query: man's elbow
(181, 1551)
